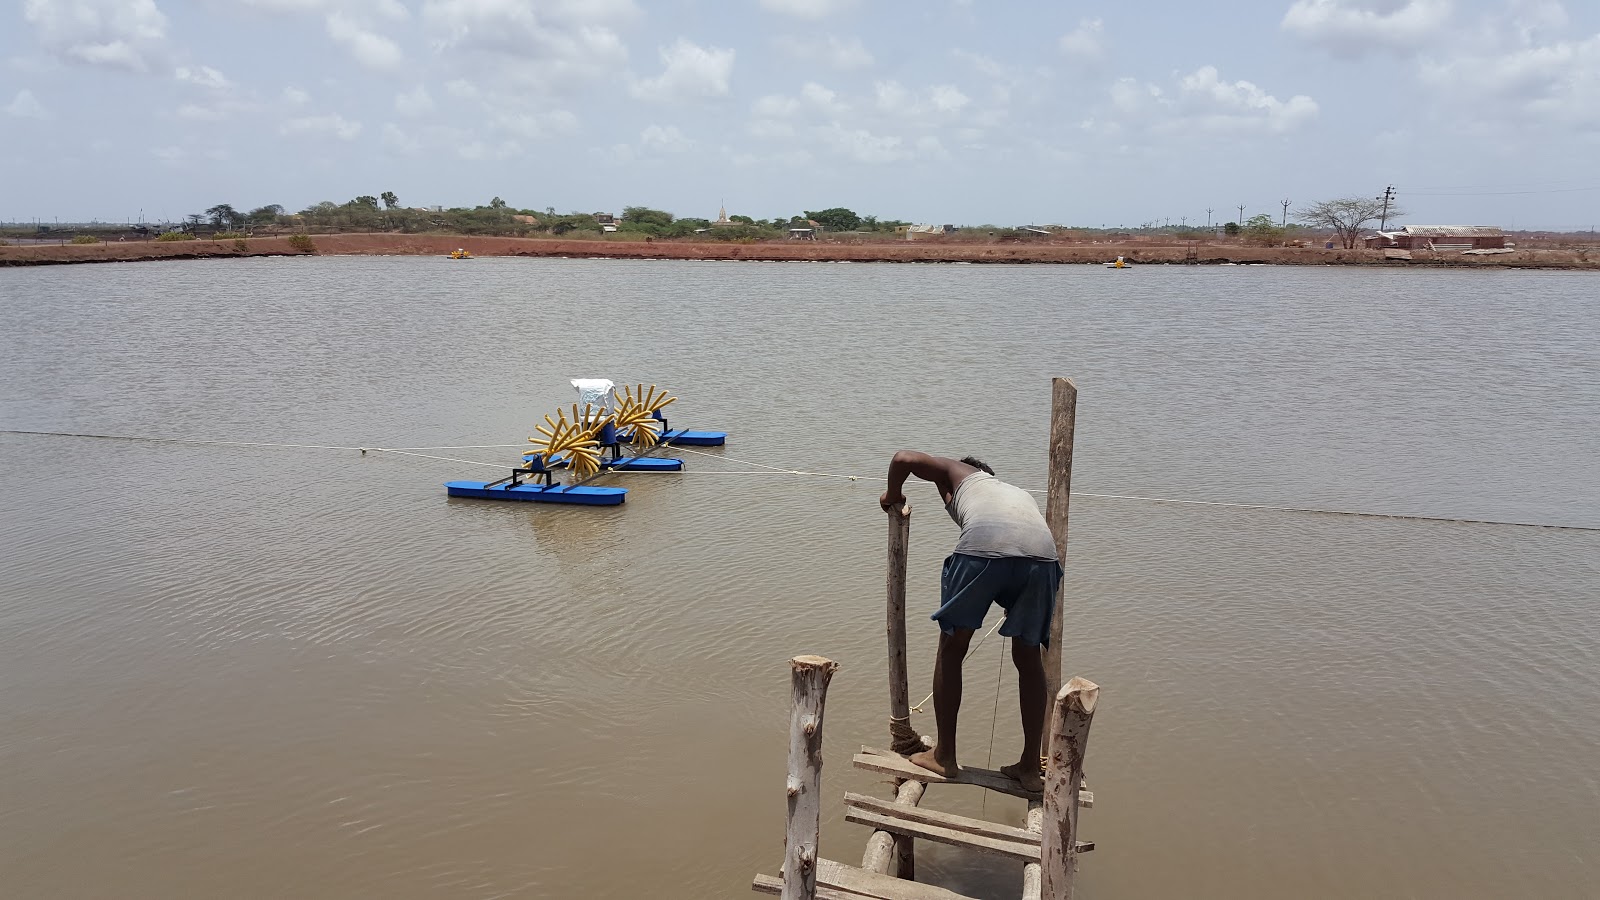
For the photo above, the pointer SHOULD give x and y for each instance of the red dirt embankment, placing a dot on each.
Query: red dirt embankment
(777, 251)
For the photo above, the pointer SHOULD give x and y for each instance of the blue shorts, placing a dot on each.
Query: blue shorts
(1025, 588)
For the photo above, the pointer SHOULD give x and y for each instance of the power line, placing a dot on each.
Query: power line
(1502, 193)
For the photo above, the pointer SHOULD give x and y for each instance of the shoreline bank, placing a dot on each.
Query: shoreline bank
(781, 251)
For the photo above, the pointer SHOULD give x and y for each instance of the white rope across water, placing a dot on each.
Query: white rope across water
(778, 469)
(764, 469)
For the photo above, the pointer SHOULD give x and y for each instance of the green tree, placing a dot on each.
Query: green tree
(223, 215)
(266, 215)
(644, 215)
(1231, 229)
(1262, 230)
(743, 220)
(368, 201)
(390, 201)
(1345, 217)
(837, 219)
(497, 203)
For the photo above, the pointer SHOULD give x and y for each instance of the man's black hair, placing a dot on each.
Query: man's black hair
(977, 463)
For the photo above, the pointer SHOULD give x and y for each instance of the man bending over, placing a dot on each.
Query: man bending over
(1006, 556)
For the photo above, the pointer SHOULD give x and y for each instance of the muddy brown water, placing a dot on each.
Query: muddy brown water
(267, 672)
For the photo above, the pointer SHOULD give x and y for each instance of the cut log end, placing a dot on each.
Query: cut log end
(1081, 693)
(813, 662)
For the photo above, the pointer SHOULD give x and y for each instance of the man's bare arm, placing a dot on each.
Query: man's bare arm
(943, 472)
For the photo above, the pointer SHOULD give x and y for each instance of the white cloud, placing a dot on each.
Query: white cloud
(214, 111)
(947, 98)
(1555, 84)
(537, 125)
(821, 99)
(564, 44)
(862, 145)
(775, 106)
(478, 151)
(369, 48)
(1086, 42)
(1202, 101)
(939, 100)
(770, 129)
(200, 113)
(332, 125)
(1222, 105)
(415, 102)
(690, 71)
(807, 9)
(202, 76)
(389, 9)
(783, 159)
(169, 154)
(25, 106)
(1353, 28)
(295, 97)
(844, 54)
(667, 139)
(399, 140)
(122, 34)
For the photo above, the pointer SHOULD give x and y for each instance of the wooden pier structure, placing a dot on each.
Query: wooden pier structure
(1047, 847)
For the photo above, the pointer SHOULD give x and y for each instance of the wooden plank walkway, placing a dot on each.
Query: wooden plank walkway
(947, 828)
(837, 881)
(887, 763)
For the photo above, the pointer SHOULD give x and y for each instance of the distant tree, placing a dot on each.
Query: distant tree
(870, 223)
(266, 215)
(1262, 230)
(1231, 229)
(368, 201)
(390, 201)
(1345, 217)
(743, 220)
(195, 219)
(497, 203)
(644, 215)
(223, 215)
(838, 218)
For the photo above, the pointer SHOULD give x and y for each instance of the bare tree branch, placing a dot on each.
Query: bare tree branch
(1345, 217)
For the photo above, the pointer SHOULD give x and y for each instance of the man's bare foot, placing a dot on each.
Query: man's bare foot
(927, 760)
(1025, 775)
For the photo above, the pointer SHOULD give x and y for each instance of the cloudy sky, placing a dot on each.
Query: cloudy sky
(963, 111)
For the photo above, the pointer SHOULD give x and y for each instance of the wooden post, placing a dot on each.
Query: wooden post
(1063, 419)
(1032, 873)
(891, 854)
(808, 692)
(903, 738)
(1068, 733)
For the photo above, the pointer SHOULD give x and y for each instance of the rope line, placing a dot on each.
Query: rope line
(970, 650)
(1331, 512)
(779, 470)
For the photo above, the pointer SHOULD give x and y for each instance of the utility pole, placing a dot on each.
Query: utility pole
(1183, 222)
(1285, 222)
(1387, 198)
(1241, 215)
(1208, 218)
